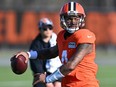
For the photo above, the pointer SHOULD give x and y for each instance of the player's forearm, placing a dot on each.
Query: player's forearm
(58, 74)
(54, 76)
(43, 54)
(47, 53)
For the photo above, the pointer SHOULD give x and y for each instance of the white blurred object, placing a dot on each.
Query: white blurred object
(53, 64)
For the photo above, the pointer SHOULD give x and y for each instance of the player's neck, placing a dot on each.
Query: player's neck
(66, 35)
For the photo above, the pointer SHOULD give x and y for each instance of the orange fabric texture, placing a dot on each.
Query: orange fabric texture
(85, 72)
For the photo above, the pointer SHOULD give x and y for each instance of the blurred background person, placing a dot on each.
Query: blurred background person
(45, 39)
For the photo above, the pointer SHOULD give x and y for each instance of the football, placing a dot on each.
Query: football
(18, 64)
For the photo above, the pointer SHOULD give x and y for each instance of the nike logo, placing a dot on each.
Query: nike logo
(89, 36)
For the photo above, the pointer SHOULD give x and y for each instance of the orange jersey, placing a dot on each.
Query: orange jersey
(85, 72)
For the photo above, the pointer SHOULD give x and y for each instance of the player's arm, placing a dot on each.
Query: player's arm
(41, 54)
(48, 53)
(82, 50)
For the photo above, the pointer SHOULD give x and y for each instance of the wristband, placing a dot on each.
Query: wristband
(32, 54)
(54, 76)
(29, 54)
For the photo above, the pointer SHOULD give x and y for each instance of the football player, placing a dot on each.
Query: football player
(76, 49)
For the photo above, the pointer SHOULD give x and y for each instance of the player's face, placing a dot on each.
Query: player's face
(72, 21)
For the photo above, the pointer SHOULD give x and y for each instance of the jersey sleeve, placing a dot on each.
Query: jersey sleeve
(86, 36)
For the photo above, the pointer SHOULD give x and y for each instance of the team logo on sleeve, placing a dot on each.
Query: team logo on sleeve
(71, 45)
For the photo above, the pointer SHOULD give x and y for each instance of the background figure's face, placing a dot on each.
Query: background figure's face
(46, 32)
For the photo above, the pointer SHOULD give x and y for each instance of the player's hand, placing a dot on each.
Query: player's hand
(39, 77)
(25, 54)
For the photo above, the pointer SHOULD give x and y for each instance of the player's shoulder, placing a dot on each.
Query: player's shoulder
(84, 31)
(85, 36)
(61, 32)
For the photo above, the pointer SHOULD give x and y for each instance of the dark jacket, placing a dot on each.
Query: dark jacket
(38, 66)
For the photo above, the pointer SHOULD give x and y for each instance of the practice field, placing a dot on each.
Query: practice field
(106, 76)
(106, 73)
(9, 79)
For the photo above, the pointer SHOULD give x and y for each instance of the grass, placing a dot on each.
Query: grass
(9, 79)
(106, 75)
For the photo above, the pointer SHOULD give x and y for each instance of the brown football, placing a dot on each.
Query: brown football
(18, 64)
